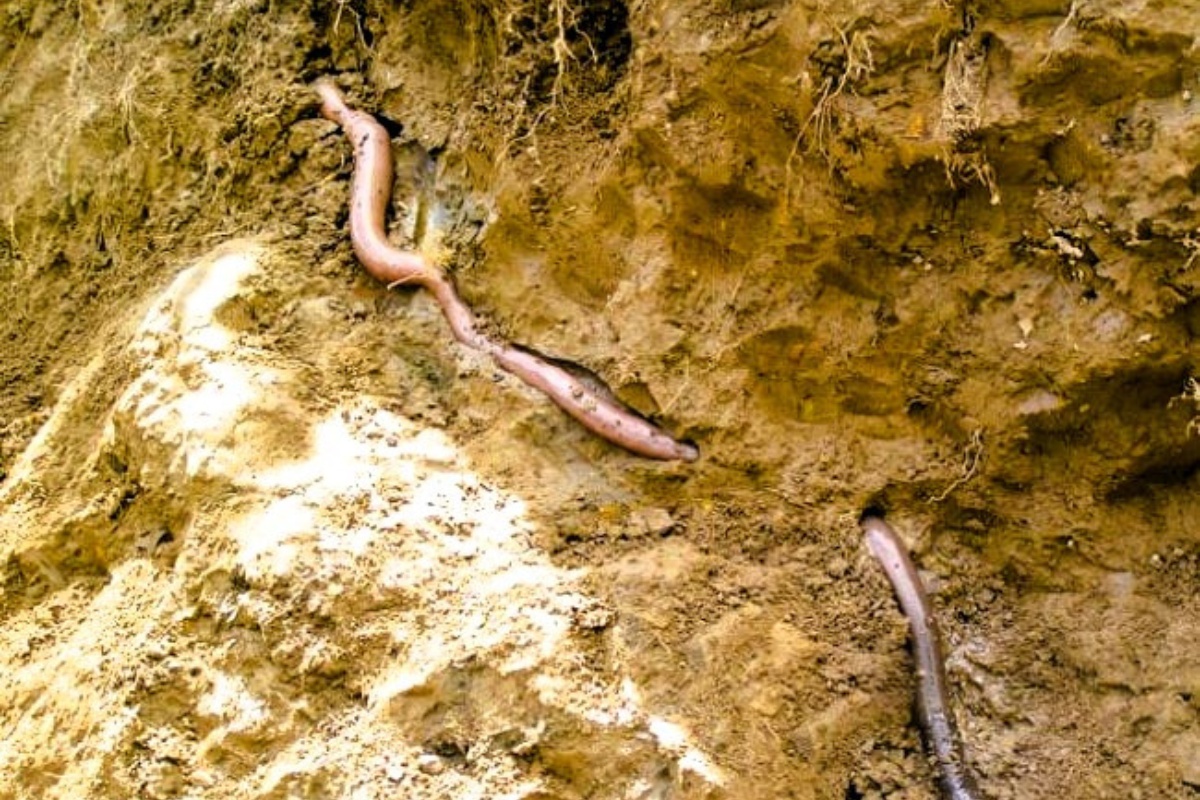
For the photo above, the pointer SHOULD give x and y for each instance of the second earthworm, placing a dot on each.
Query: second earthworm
(933, 695)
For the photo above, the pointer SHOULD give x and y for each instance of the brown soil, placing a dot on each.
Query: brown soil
(267, 532)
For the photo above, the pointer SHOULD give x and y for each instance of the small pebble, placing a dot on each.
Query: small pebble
(430, 764)
(652, 521)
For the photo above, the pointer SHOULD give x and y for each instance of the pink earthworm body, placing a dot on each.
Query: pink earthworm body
(933, 695)
(604, 416)
(370, 192)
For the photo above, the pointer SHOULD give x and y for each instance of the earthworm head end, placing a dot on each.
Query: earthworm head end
(333, 103)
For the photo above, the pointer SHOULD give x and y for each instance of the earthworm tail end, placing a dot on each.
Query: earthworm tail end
(598, 411)
(933, 696)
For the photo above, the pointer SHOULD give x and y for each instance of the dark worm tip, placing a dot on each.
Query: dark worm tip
(871, 510)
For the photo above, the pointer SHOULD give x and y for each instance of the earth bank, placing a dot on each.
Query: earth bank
(267, 532)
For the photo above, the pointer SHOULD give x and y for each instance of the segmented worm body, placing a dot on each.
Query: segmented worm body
(370, 191)
(598, 411)
(933, 696)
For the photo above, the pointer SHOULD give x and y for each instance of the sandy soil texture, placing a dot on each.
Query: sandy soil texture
(266, 531)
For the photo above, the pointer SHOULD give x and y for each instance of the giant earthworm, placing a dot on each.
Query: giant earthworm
(933, 696)
(370, 190)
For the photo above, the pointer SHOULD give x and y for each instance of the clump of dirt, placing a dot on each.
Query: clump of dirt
(266, 531)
